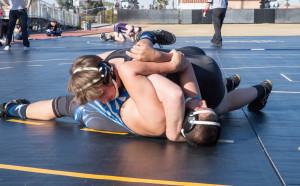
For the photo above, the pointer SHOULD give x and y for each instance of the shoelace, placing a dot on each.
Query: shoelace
(161, 35)
(265, 97)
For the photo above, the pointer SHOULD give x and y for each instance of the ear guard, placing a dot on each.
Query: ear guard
(106, 76)
(192, 119)
(106, 73)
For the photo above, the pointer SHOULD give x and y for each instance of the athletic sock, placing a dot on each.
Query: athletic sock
(18, 110)
(260, 91)
(147, 36)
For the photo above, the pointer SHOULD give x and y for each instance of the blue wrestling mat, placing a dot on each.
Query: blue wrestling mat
(261, 149)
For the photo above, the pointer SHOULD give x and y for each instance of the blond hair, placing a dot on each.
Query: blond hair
(85, 84)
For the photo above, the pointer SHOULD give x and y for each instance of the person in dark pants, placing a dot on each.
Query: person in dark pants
(219, 8)
(4, 26)
(18, 10)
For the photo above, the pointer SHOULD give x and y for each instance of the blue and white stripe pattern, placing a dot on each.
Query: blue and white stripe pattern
(110, 110)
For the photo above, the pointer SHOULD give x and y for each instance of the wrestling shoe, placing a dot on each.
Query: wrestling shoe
(234, 82)
(161, 37)
(7, 47)
(260, 102)
(4, 107)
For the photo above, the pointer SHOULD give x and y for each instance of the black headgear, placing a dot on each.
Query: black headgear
(191, 120)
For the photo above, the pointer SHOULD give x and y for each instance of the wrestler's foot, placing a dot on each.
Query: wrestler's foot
(160, 37)
(7, 47)
(233, 82)
(260, 102)
(4, 107)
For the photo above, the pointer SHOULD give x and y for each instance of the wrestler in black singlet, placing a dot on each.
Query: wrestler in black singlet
(207, 72)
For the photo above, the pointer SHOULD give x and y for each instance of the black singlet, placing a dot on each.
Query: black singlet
(207, 72)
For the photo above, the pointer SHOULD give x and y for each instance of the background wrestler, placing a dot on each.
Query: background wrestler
(121, 32)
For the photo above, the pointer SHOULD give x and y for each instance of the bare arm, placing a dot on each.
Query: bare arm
(206, 8)
(151, 116)
(155, 96)
(176, 64)
(5, 4)
(143, 51)
(28, 4)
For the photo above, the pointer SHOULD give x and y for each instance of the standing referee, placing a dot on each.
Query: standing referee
(218, 14)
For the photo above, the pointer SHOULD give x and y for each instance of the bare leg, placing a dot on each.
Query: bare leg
(41, 110)
(236, 99)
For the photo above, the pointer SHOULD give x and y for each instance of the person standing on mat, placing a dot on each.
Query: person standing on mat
(219, 8)
(18, 10)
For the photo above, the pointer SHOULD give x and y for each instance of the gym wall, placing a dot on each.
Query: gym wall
(233, 16)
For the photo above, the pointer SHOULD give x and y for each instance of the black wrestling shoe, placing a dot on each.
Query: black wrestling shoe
(260, 102)
(4, 107)
(161, 37)
(235, 82)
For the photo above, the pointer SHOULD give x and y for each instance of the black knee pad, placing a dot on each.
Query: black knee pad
(64, 106)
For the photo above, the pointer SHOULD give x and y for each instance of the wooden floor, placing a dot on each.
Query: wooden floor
(255, 148)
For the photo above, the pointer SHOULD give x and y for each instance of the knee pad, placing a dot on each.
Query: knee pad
(64, 106)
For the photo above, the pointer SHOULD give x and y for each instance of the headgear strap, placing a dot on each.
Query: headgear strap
(106, 71)
(195, 122)
(88, 85)
(86, 69)
(192, 119)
